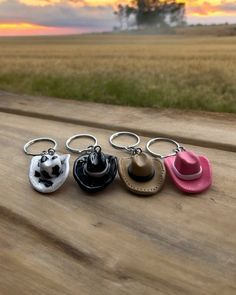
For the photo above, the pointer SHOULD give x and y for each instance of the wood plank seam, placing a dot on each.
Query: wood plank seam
(141, 132)
(106, 272)
(169, 244)
(49, 236)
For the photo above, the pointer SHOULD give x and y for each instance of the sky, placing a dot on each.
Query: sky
(53, 17)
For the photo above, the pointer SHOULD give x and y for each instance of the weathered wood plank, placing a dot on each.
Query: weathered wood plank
(114, 242)
(187, 127)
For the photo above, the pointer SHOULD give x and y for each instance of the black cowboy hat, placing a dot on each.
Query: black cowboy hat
(94, 171)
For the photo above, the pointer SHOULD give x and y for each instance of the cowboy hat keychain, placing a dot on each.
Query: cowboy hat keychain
(48, 170)
(190, 172)
(93, 170)
(141, 174)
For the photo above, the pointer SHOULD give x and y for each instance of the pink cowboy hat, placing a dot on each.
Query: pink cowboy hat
(191, 173)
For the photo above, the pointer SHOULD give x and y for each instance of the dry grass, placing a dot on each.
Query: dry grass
(143, 70)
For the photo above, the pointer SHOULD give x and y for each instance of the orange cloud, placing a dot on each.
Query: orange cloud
(211, 8)
(19, 26)
(27, 29)
(193, 7)
(40, 2)
(76, 3)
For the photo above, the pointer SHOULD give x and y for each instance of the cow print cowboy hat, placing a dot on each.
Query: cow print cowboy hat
(48, 172)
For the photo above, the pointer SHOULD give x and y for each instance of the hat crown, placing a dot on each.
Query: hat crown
(50, 165)
(141, 165)
(96, 161)
(187, 163)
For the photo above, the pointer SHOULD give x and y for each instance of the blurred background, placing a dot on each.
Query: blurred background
(144, 53)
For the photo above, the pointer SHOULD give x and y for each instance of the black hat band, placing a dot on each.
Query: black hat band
(141, 178)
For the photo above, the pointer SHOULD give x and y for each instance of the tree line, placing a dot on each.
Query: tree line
(150, 13)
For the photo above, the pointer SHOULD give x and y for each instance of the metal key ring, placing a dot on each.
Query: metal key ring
(33, 141)
(78, 151)
(152, 141)
(124, 147)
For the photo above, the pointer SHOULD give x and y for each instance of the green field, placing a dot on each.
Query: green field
(178, 71)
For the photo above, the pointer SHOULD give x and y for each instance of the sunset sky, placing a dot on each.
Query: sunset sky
(40, 17)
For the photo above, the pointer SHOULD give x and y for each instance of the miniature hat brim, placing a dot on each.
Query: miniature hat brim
(94, 184)
(191, 186)
(53, 183)
(149, 187)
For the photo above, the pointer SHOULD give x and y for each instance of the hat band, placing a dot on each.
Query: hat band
(97, 174)
(141, 178)
(187, 176)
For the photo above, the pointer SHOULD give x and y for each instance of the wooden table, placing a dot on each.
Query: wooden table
(114, 242)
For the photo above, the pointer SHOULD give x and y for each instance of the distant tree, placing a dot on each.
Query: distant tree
(152, 13)
(123, 14)
(120, 13)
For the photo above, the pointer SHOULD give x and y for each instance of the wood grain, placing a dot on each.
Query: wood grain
(113, 242)
(187, 127)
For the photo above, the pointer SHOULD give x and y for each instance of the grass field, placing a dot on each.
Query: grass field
(179, 71)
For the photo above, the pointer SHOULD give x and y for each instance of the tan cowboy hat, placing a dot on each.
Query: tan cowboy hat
(142, 174)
